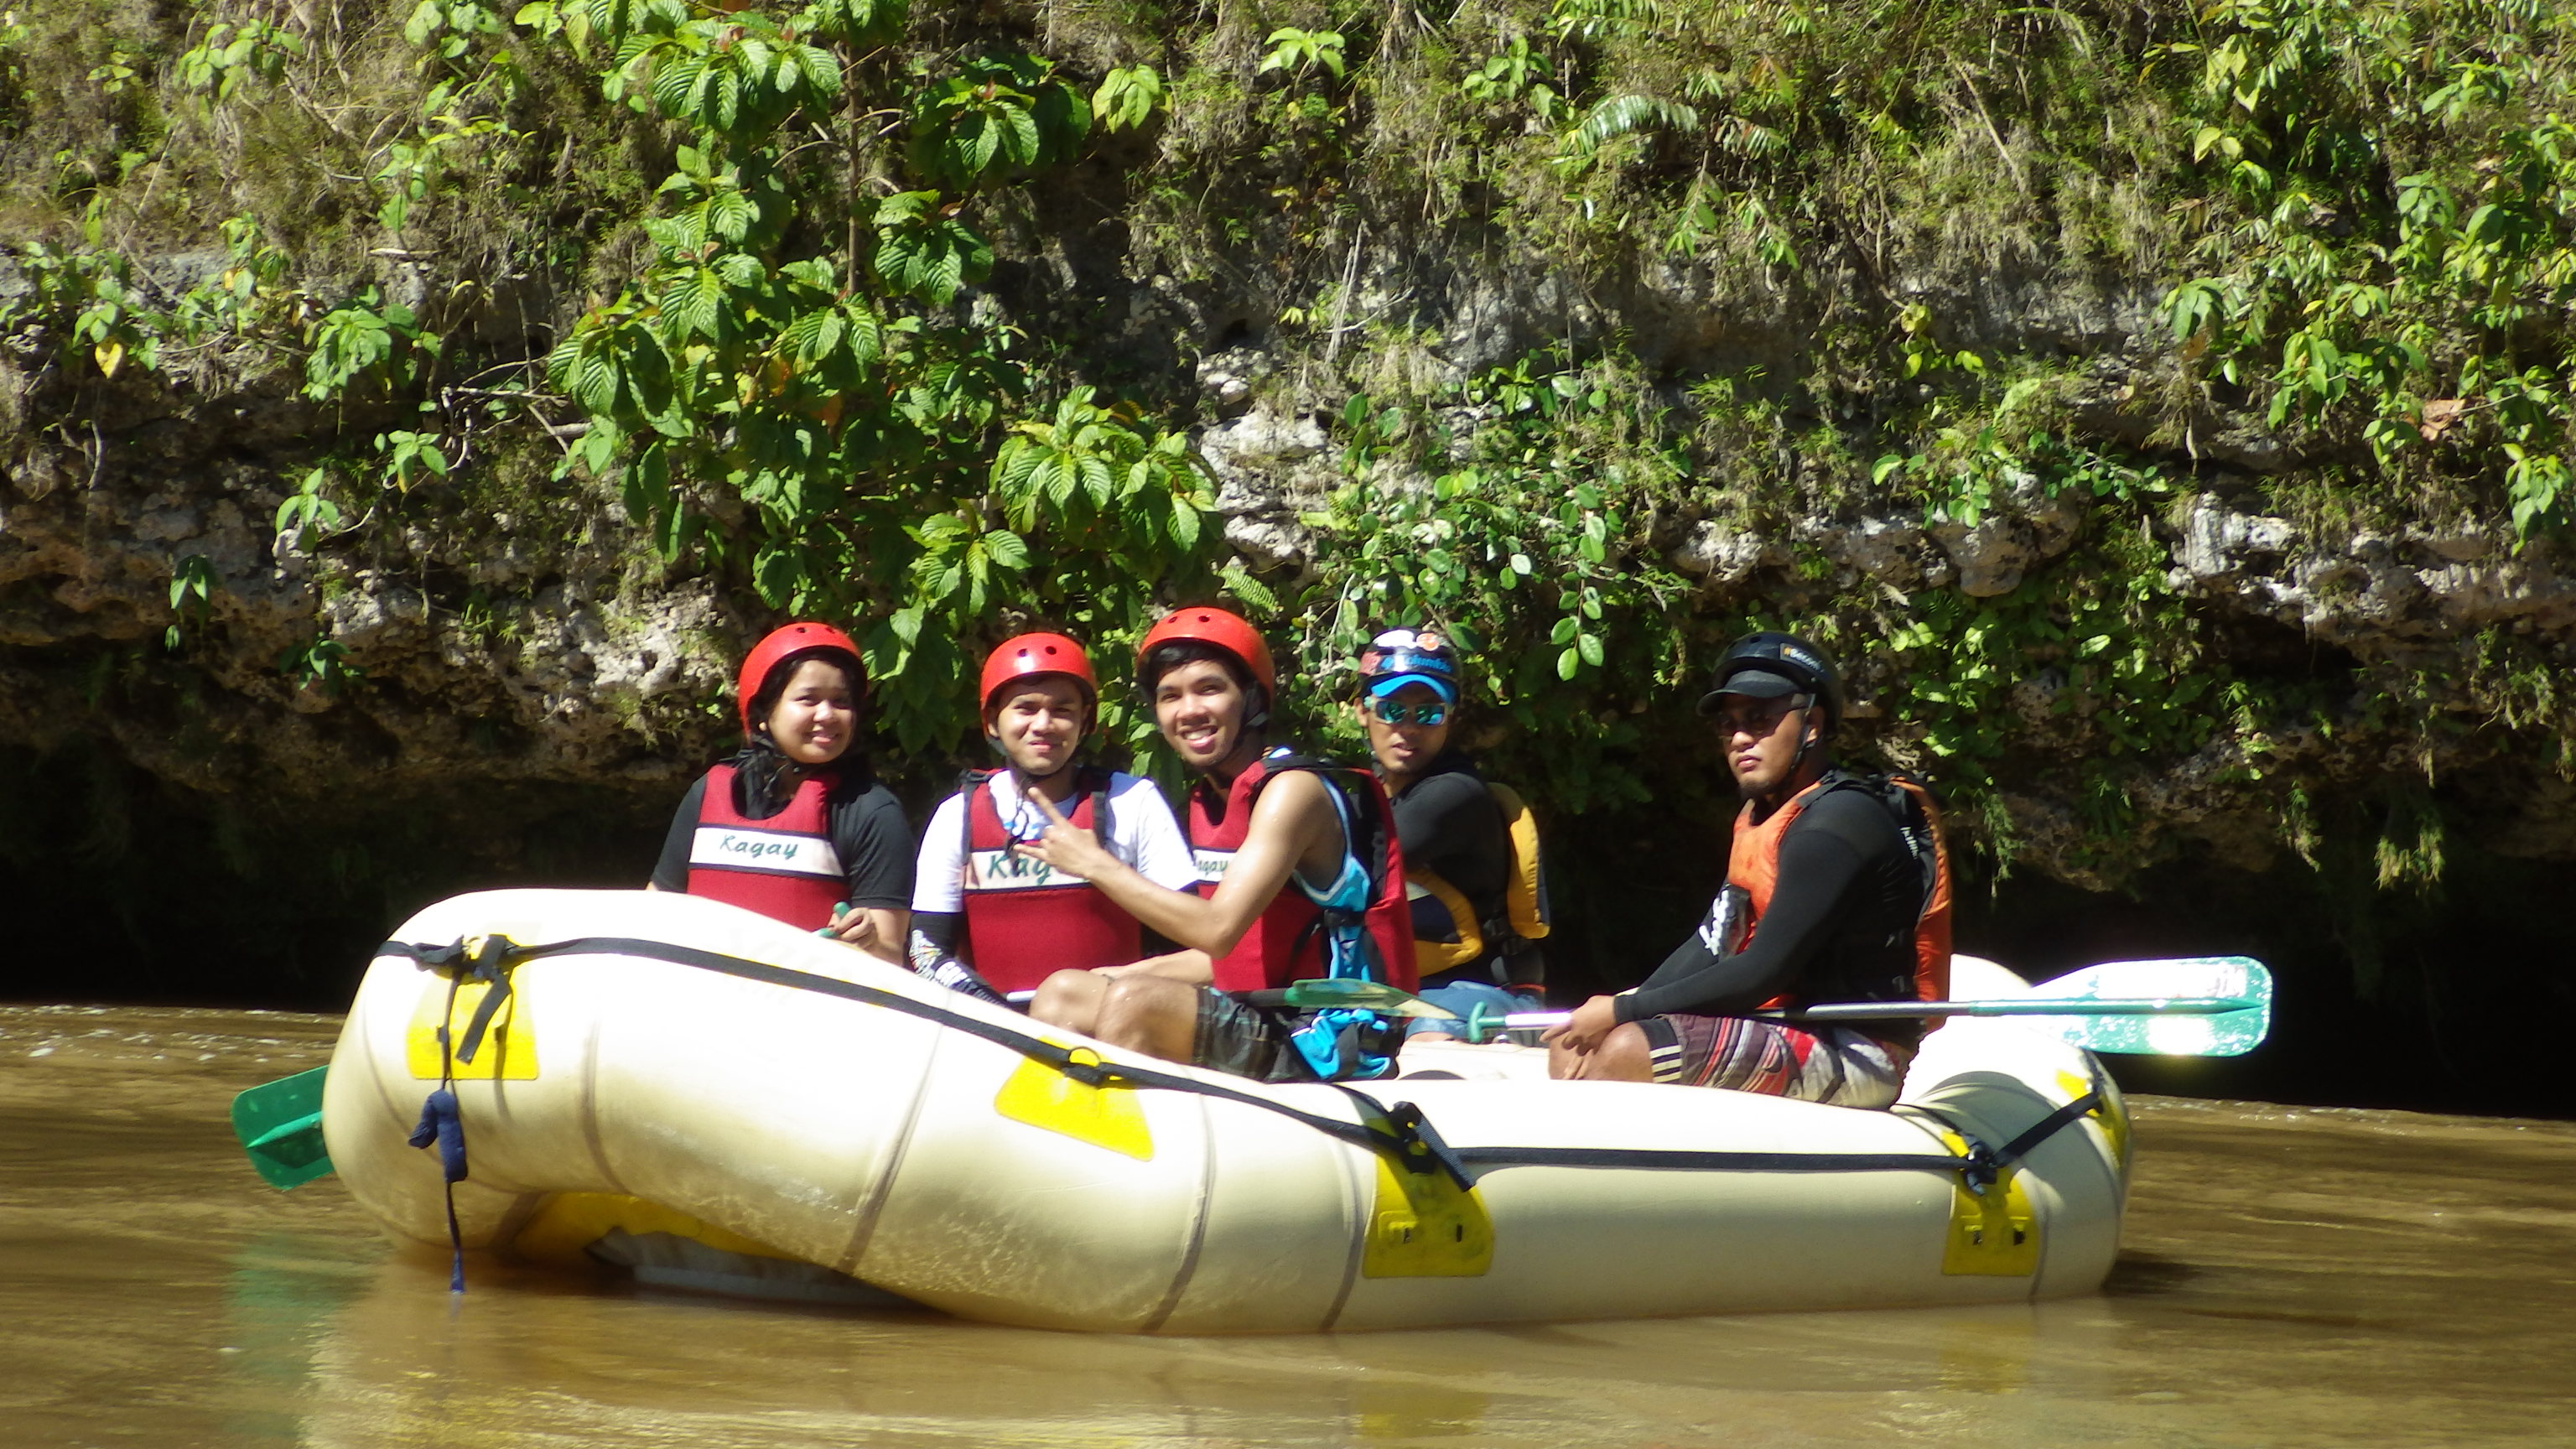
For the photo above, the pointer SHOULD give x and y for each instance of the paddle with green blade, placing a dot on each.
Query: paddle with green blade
(2206, 1006)
(280, 1126)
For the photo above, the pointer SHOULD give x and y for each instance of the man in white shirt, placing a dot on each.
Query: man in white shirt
(994, 922)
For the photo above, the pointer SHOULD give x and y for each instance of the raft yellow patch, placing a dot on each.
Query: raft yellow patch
(2110, 1116)
(1105, 1116)
(563, 1229)
(1424, 1225)
(509, 1049)
(1993, 1233)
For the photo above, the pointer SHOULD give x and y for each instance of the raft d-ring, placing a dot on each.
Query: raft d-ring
(508, 1051)
(489, 951)
(1993, 1231)
(1423, 1223)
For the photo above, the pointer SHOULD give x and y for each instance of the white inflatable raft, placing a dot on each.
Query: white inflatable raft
(687, 1087)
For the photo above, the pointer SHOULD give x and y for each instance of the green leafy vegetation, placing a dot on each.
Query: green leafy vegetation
(1459, 511)
(869, 311)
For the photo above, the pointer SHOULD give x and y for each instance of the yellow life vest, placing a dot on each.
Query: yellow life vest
(1525, 908)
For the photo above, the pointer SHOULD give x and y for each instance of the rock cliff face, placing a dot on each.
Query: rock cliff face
(536, 640)
(490, 644)
(568, 663)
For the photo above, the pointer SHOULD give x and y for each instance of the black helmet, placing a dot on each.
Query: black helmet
(1775, 665)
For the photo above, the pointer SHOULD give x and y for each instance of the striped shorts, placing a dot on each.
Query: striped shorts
(1834, 1065)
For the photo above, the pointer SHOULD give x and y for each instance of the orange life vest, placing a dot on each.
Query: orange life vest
(1753, 866)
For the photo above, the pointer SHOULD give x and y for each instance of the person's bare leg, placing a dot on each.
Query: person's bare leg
(1564, 1063)
(1623, 1056)
(1070, 999)
(1151, 1014)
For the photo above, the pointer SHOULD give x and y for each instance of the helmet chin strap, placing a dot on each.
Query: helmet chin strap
(1807, 739)
(1809, 742)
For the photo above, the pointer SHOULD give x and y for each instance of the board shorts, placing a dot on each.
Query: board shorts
(1834, 1065)
(1235, 1036)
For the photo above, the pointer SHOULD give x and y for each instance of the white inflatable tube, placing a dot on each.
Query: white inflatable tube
(696, 1109)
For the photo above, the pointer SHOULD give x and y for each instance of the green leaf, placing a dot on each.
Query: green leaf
(1007, 549)
(1254, 594)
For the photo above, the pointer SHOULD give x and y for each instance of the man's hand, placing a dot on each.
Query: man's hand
(1582, 1031)
(853, 928)
(1066, 846)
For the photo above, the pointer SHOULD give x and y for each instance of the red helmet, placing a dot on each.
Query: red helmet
(1229, 632)
(1030, 655)
(792, 639)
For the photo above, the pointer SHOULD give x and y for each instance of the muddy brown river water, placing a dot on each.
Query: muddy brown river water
(2290, 1276)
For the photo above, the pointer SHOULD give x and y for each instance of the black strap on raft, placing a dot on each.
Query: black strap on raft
(476, 958)
(442, 1120)
(1982, 1166)
(1406, 1135)
(1062, 1059)
(443, 1125)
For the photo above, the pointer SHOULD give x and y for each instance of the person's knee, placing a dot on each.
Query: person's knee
(1149, 1014)
(1127, 1005)
(1624, 1056)
(1563, 1062)
(1069, 999)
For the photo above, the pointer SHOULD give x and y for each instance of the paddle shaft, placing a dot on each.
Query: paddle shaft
(1896, 1010)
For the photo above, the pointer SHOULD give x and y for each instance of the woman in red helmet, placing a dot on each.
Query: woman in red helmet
(1301, 875)
(990, 921)
(794, 826)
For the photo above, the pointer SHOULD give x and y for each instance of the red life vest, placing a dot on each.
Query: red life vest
(783, 866)
(1287, 942)
(1026, 919)
(1753, 866)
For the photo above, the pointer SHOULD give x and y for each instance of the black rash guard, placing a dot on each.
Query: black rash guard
(868, 833)
(1840, 926)
(1449, 825)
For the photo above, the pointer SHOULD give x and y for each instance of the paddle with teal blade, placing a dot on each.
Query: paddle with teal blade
(2198, 1006)
(1352, 993)
(280, 1126)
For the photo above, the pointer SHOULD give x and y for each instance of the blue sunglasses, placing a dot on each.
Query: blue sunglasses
(1421, 714)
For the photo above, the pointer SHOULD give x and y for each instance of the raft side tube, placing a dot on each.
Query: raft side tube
(961, 1173)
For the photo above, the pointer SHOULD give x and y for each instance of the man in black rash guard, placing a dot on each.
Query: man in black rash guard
(1849, 891)
(1836, 892)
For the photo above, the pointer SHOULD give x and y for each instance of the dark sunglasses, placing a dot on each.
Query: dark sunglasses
(1421, 714)
(1758, 719)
